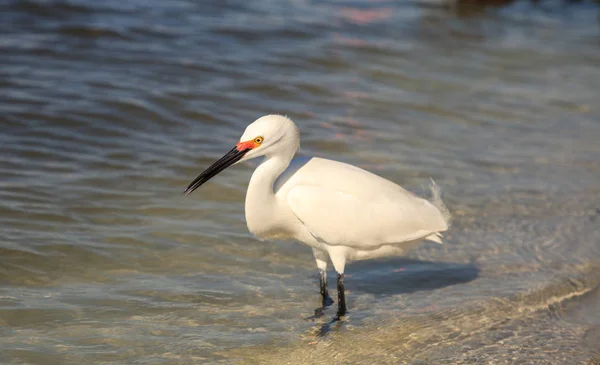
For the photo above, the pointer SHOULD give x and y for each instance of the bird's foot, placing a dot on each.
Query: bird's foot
(327, 301)
(320, 312)
(340, 314)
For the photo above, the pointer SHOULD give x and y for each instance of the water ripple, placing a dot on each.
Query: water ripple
(108, 109)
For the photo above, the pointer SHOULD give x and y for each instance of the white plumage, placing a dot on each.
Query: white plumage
(343, 212)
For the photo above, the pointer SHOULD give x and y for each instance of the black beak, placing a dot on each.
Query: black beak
(224, 162)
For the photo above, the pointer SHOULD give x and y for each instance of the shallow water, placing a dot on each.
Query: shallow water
(110, 108)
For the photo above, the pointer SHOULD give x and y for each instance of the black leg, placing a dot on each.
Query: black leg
(327, 301)
(323, 283)
(341, 296)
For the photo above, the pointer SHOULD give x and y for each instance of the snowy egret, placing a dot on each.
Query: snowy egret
(342, 212)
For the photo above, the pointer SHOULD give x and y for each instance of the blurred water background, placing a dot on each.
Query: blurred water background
(109, 108)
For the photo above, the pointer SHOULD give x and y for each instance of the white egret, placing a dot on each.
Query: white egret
(342, 212)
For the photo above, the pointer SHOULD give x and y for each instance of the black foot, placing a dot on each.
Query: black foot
(326, 301)
(319, 312)
(338, 320)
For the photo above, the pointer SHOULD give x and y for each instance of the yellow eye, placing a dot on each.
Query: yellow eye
(258, 140)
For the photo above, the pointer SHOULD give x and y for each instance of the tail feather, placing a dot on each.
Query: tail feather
(436, 200)
(435, 237)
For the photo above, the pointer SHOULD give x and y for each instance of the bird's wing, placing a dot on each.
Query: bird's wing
(341, 218)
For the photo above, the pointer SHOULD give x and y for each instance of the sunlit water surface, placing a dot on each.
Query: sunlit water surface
(109, 108)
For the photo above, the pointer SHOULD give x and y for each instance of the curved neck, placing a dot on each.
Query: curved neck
(262, 211)
(260, 189)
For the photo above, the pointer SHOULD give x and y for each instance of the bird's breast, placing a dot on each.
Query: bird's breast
(273, 223)
(265, 225)
(268, 230)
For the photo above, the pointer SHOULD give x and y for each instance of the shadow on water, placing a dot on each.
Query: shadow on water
(400, 276)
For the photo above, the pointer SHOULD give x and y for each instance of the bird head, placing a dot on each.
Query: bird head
(270, 135)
